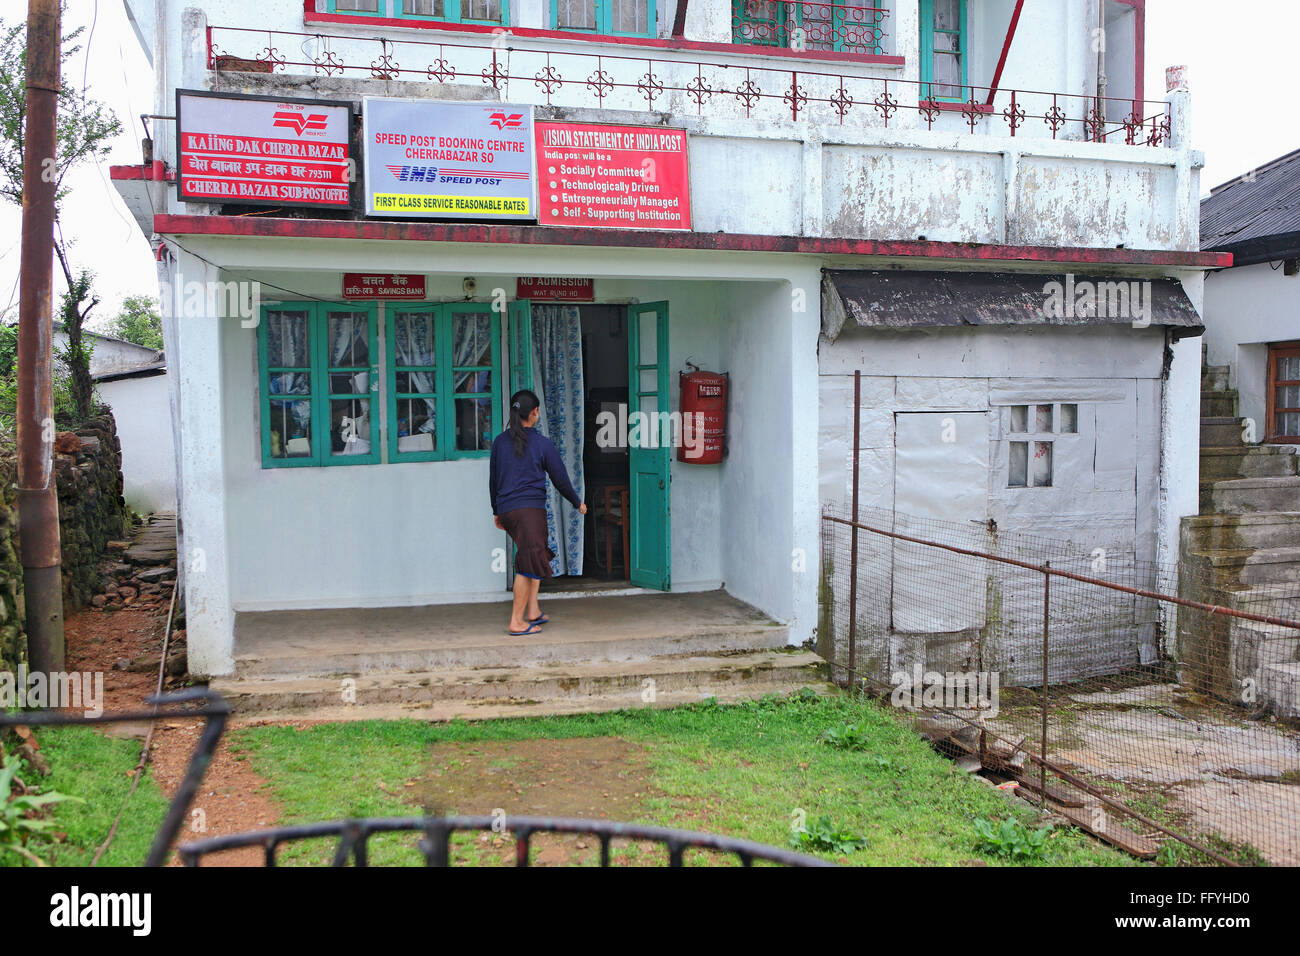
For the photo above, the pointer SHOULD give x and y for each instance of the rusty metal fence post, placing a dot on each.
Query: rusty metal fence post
(1047, 607)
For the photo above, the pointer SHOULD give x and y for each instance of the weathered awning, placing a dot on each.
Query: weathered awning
(903, 298)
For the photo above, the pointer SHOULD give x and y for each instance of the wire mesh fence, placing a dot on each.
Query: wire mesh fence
(1161, 717)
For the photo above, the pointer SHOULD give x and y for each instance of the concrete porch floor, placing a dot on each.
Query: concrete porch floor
(437, 662)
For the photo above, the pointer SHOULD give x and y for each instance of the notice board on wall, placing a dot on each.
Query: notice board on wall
(448, 160)
(621, 177)
(262, 150)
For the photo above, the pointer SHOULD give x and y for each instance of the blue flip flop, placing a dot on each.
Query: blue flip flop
(539, 620)
(532, 628)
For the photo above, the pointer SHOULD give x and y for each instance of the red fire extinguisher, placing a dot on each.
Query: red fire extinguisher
(704, 416)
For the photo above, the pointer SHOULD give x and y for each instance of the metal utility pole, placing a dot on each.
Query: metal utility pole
(38, 501)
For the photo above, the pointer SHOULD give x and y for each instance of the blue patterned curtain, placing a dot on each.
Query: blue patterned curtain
(557, 379)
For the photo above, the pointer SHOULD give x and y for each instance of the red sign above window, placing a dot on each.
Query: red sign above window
(370, 285)
(621, 177)
(262, 151)
(555, 289)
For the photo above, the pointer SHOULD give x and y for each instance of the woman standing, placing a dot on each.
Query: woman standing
(521, 460)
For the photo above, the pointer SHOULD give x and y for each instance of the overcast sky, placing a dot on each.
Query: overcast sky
(1240, 59)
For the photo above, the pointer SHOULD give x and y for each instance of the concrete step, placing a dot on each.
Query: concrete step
(1214, 378)
(1222, 431)
(1252, 566)
(541, 688)
(380, 641)
(1280, 687)
(1233, 495)
(1219, 403)
(1228, 532)
(1248, 461)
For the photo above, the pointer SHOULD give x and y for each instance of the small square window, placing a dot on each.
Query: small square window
(1019, 419)
(1069, 419)
(1018, 465)
(1043, 419)
(1041, 467)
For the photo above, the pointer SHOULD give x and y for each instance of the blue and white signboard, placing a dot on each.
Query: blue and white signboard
(448, 160)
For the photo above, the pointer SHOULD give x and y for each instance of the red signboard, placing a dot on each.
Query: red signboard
(371, 285)
(263, 151)
(621, 177)
(555, 289)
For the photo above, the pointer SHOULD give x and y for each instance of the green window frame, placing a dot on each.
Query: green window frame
(956, 41)
(603, 19)
(453, 11)
(448, 385)
(332, 389)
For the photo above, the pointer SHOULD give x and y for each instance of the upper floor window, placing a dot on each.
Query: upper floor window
(616, 17)
(943, 49)
(449, 11)
(839, 27)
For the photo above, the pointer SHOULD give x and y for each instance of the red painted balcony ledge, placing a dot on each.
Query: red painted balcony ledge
(515, 234)
(154, 172)
(654, 43)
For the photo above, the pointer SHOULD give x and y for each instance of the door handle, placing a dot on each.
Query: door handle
(661, 484)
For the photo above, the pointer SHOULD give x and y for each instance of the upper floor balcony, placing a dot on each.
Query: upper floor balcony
(994, 67)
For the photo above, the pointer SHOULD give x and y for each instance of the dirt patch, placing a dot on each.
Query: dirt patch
(594, 777)
(231, 798)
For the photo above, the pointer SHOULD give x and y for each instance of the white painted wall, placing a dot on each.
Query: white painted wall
(144, 430)
(109, 354)
(1247, 307)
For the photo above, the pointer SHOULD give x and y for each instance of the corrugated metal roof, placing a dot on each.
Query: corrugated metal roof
(1257, 213)
(905, 298)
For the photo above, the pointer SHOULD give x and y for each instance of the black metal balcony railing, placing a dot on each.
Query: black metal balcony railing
(675, 83)
(809, 25)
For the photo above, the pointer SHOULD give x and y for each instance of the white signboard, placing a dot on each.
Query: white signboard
(442, 160)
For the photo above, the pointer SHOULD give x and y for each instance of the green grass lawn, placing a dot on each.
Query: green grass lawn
(95, 768)
(748, 770)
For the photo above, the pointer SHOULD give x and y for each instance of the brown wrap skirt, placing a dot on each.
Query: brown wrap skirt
(527, 528)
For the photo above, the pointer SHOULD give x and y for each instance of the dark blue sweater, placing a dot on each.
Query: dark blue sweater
(520, 481)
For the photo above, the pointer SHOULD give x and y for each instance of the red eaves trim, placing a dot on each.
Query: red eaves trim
(656, 43)
(147, 173)
(1006, 48)
(513, 234)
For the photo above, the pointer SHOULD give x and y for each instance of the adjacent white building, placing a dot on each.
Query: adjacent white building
(907, 189)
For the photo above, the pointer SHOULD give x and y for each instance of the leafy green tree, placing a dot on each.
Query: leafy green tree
(138, 321)
(85, 129)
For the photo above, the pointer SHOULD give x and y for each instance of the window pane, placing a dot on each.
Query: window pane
(1019, 419)
(349, 339)
(630, 16)
(1069, 419)
(471, 339)
(1018, 464)
(481, 10)
(470, 382)
(648, 341)
(424, 8)
(1042, 465)
(947, 14)
(350, 426)
(290, 383)
(1288, 424)
(290, 428)
(1288, 368)
(414, 338)
(576, 14)
(356, 6)
(287, 339)
(473, 424)
(1043, 418)
(357, 383)
(1288, 396)
(947, 76)
(417, 424)
(420, 382)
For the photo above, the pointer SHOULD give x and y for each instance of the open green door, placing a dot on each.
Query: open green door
(648, 454)
(519, 360)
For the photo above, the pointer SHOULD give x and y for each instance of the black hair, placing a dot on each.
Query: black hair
(522, 404)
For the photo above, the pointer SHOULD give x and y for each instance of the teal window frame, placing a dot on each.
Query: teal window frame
(927, 52)
(451, 14)
(605, 20)
(444, 392)
(319, 370)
